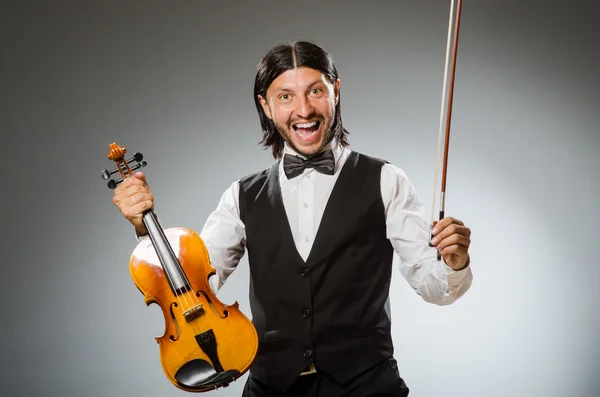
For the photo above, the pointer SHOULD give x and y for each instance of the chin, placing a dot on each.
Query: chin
(308, 149)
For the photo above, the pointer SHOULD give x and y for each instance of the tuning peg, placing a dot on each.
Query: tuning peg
(113, 184)
(106, 174)
(139, 165)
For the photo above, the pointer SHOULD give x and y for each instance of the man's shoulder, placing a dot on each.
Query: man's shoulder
(250, 187)
(388, 169)
(368, 159)
(257, 178)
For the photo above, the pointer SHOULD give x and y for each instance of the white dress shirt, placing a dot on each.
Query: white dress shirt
(304, 199)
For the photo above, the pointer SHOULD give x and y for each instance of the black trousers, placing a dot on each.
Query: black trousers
(382, 380)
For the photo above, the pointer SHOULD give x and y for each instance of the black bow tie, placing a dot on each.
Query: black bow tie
(323, 162)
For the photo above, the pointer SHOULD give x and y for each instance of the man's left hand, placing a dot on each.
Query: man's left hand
(452, 239)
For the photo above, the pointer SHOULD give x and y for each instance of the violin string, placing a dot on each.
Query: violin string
(181, 304)
(180, 281)
(185, 298)
(191, 294)
(437, 163)
(185, 305)
(194, 298)
(182, 299)
(128, 174)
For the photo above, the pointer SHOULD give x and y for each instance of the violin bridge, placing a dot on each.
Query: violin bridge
(193, 312)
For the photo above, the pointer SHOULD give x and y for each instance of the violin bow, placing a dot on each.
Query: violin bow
(448, 113)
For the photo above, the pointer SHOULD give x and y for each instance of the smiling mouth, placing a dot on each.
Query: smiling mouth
(306, 129)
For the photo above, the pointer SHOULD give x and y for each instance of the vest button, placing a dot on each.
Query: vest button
(308, 353)
(305, 271)
(306, 313)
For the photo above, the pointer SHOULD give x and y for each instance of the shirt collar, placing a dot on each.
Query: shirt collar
(340, 154)
(334, 145)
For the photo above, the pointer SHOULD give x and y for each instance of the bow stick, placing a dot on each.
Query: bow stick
(448, 115)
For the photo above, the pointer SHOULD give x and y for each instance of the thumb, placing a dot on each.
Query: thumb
(141, 176)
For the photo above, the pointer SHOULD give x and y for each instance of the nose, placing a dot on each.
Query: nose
(304, 107)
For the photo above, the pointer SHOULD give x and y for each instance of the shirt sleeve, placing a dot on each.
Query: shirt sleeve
(408, 231)
(224, 235)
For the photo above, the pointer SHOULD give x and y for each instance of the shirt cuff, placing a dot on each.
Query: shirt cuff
(457, 277)
(140, 238)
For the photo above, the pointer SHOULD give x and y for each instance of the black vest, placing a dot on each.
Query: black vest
(332, 309)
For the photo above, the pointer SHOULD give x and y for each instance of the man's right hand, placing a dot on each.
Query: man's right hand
(132, 197)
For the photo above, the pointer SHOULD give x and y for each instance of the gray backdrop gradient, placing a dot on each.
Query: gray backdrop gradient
(174, 81)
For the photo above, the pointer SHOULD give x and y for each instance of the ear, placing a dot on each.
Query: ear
(336, 91)
(265, 106)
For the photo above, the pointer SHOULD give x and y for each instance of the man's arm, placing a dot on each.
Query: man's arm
(224, 235)
(408, 231)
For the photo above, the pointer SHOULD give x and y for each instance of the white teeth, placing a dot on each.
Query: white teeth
(306, 125)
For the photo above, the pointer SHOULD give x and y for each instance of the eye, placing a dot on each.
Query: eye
(284, 97)
(316, 90)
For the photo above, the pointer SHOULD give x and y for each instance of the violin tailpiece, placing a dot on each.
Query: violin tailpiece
(208, 344)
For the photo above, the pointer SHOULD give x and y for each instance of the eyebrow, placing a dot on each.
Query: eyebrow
(284, 89)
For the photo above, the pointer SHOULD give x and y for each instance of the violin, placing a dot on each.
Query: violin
(206, 344)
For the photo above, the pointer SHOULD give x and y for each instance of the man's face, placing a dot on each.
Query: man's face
(301, 102)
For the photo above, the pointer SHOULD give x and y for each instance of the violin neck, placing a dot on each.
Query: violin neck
(177, 279)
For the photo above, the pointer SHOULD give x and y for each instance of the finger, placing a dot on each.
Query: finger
(450, 230)
(131, 197)
(129, 182)
(454, 229)
(455, 249)
(138, 197)
(137, 209)
(130, 190)
(444, 223)
(140, 176)
(455, 239)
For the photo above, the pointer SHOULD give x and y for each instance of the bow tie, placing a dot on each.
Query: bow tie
(323, 162)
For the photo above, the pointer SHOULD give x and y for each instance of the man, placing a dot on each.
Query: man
(321, 240)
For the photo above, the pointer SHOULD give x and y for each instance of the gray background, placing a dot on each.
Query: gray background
(173, 80)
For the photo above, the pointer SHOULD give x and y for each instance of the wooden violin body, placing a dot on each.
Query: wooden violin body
(206, 344)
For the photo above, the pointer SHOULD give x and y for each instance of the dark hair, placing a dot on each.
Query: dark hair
(280, 59)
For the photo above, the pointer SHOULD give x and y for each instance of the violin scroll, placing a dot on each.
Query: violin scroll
(117, 154)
